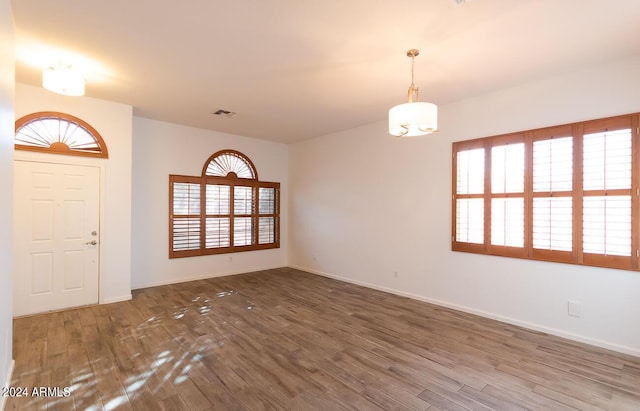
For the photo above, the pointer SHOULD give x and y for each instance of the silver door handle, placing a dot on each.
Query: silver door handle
(92, 242)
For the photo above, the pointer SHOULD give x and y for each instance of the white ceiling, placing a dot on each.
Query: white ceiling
(296, 69)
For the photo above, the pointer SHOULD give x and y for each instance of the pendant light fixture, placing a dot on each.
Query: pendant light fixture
(63, 79)
(413, 118)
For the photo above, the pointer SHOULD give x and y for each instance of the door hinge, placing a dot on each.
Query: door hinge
(637, 253)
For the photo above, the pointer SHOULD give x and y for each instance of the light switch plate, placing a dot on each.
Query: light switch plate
(575, 308)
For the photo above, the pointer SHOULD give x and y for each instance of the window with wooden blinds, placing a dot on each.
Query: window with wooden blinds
(268, 213)
(507, 193)
(553, 172)
(218, 217)
(225, 210)
(469, 225)
(567, 193)
(185, 215)
(607, 192)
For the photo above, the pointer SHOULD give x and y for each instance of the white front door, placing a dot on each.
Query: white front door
(56, 236)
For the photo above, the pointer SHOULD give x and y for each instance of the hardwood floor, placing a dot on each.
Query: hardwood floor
(285, 339)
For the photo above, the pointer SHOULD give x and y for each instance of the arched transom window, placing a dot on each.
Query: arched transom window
(227, 209)
(222, 163)
(58, 133)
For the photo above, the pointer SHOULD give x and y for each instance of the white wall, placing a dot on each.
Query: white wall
(114, 123)
(160, 149)
(7, 63)
(364, 205)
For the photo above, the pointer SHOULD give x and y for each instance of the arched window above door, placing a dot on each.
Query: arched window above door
(58, 133)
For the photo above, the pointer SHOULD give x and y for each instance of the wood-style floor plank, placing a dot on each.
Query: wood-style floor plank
(284, 339)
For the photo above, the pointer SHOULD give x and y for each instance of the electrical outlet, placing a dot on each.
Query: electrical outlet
(575, 308)
(395, 274)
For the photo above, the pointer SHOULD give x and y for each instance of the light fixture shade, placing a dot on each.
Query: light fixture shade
(63, 80)
(413, 119)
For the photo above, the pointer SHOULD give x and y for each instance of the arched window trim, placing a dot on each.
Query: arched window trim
(61, 148)
(231, 174)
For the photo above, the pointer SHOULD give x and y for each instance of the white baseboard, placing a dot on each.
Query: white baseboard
(200, 277)
(532, 326)
(3, 399)
(119, 299)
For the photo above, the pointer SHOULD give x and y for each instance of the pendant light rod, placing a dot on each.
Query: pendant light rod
(413, 90)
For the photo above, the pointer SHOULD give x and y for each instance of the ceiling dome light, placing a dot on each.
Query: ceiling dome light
(63, 80)
(413, 118)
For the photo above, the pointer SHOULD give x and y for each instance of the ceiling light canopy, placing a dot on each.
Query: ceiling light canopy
(413, 118)
(63, 79)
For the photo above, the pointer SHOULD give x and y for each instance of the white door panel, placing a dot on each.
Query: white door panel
(56, 219)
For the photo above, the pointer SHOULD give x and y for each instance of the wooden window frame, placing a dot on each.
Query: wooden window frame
(489, 196)
(59, 147)
(232, 181)
(545, 134)
(576, 255)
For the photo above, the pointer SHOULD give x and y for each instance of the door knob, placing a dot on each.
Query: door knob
(92, 242)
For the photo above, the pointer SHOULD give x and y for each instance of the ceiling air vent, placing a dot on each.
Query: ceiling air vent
(224, 113)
